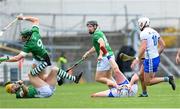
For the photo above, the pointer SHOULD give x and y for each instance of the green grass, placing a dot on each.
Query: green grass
(78, 96)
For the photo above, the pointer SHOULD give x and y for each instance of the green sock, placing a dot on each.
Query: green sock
(64, 74)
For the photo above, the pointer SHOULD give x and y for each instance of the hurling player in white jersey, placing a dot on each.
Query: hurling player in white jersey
(124, 89)
(150, 40)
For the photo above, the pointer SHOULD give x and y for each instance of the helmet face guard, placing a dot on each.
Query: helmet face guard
(93, 24)
(26, 33)
(143, 22)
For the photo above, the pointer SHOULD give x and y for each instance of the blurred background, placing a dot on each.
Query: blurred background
(64, 32)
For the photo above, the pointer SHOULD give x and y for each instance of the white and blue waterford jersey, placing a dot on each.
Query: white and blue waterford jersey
(152, 38)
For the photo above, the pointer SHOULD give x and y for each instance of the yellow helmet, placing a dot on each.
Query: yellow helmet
(8, 88)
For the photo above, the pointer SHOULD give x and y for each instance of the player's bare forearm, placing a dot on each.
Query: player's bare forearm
(15, 58)
(102, 46)
(34, 20)
(142, 49)
(89, 52)
(162, 45)
(25, 89)
(134, 79)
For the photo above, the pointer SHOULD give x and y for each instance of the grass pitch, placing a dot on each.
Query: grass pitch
(78, 96)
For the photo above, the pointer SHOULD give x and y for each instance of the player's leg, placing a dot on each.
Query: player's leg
(143, 86)
(102, 77)
(63, 74)
(151, 80)
(150, 68)
(118, 75)
(101, 94)
(52, 77)
(36, 81)
(44, 89)
(42, 75)
(103, 73)
(41, 65)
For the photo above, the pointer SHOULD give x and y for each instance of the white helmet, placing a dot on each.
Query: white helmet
(143, 22)
(123, 91)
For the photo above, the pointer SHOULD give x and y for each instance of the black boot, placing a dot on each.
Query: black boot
(78, 77)
(171, 82)
(61, 81)
(143, 95)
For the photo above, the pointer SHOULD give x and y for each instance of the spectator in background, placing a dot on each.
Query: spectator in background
(62, 61)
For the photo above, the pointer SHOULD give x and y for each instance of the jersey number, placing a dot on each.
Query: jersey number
(155, 40)
(40, 44)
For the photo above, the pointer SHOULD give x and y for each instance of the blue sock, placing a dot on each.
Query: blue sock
(166, 79)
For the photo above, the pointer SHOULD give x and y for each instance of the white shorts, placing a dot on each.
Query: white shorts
(45, 91)
(36, 62)
(104, 64)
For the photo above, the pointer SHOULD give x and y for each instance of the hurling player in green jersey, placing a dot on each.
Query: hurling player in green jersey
(33, 44)
(38, 89)
(105, 61)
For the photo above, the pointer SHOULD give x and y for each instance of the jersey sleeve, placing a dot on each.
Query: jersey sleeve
(19, 94)
(97, 37)
(143, 36)
(26, 49)
(35, 28)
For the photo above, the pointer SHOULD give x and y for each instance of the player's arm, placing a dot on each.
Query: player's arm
(102, 48)
(24, 89)
(142, 49)
(89, 52)
(141, 53)
(161, 45)
(178, 57)
(134, 79)
(17, 57)
(34, 20)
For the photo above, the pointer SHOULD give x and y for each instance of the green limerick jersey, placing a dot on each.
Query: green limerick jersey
(35, 45)
(95, 37)
(31, 93)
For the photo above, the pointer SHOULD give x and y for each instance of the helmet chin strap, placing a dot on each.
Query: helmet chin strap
(144, 26)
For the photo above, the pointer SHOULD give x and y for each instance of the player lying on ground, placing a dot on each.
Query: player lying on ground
(33, 44)
(124, 89)
(105, 61)
(39, 88)
(150, 39)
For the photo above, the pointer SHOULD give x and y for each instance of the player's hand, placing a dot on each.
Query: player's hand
(99, 57)
(177, 59)
(20, 82)
(85, 55)
(135, 62)
(20, 17)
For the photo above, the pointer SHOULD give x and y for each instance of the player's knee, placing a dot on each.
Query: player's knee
(147, 83)
(55, 69)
